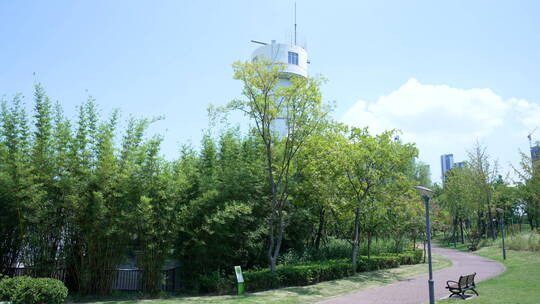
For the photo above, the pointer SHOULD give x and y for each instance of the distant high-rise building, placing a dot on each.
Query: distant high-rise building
(447, 162)
(535, 152)
(460, 164)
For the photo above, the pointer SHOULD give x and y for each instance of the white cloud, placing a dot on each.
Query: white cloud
(442, 119)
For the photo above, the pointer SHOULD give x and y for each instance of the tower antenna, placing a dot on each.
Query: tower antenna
(294, 22)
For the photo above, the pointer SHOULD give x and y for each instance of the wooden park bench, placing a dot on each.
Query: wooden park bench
(462, 285)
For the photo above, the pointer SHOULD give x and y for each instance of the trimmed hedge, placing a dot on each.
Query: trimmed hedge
(298, 275)
(306, 273)
(408, 257)
(377, 262)
(9, 286)
(27, 290)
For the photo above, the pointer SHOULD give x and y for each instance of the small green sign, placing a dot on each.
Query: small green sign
(239, 276)
(240, 279)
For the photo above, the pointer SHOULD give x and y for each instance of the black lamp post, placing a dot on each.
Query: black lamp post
(501, 212)
(425, 192)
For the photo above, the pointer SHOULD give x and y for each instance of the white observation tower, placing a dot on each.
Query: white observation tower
(293, 57)
(295, 63)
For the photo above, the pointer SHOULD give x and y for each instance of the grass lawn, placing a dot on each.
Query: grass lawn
(309, 294)
(519, 284)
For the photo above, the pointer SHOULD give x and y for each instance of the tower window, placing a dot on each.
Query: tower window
(293, 58)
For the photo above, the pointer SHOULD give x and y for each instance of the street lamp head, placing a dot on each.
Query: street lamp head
(423, 190)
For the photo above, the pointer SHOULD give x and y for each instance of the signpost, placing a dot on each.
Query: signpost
(240, 279)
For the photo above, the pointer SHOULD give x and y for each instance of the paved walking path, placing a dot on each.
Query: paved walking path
(415, 290)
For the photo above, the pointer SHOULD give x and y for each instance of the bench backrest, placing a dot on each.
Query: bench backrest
(470, 279)
(466, 281)
(463, 281)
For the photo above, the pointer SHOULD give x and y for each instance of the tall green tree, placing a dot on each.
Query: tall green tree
(528, 189)
(264, 102)
(317, 184)
(485, 174)
(374, 167)
(46, 219)
(17, 186)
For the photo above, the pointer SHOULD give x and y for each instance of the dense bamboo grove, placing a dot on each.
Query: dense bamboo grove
(83, 194)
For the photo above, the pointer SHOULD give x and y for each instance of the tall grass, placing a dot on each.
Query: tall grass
(529, 241)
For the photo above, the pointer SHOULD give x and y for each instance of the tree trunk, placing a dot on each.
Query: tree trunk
(275, 243)
(397, 241)
(271, 242)
(369, 245)
(274, 237)
(461, 228)
(273, 264)
(356, 237)
(320, 229)
(481, 224)
(454, 224)
(490, 224)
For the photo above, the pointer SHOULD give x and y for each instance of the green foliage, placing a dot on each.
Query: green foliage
(476, 200)
(306, 273)
(528, 189)
(222, 224)
(71, 193)
(17, 188)
(9, 286)
(377, 262)
(375, 168)
(216, 282)
(341, 249)
(264, 102)
(410, 257)
(523, 241)
(83, 195)
(330, 250)
(26, 290)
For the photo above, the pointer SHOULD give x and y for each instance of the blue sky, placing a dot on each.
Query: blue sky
(470, 66)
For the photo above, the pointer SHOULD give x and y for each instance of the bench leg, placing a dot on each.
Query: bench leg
(474, 290)
(456, 294)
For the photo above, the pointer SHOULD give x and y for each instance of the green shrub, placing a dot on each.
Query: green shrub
(217, 282)
(418, 255)
(383, 245)
(406, 258)
(305, 273)
(261, 279)
(298, 275)
(8, 287)
(27, 290)
(340, 249)
(377, 262)
(410, 257)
